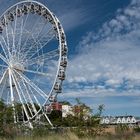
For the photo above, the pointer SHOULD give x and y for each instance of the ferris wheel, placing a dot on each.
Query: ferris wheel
(33, 58)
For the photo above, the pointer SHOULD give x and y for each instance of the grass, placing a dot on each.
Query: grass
(71, 136)
(120, 132)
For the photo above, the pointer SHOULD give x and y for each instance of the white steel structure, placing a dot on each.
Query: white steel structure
(33, 58)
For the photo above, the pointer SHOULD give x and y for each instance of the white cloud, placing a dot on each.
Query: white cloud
(99, 92)
(111, 56)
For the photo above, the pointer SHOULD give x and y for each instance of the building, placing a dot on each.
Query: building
(53, 106)
(66, 110)
(118, 120)
(76, 110)
(56, 106)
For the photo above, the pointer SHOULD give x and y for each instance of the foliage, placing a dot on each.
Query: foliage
(101, 108)
(70, 136)
(6, 119)
(81, 122)
(137, 129)
(65, 103)
(121, 128)
(123, 131)
(56, 117)
(40, 131)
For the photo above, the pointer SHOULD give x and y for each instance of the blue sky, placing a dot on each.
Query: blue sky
(103, 38)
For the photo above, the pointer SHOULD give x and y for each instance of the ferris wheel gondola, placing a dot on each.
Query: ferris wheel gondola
(33, 57)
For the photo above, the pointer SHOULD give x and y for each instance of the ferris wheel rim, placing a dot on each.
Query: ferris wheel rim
(59, 36)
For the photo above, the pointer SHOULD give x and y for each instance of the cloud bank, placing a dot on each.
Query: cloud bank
(108, 63)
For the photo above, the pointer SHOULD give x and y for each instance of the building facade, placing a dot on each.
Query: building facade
(67, 110)
(118, 120)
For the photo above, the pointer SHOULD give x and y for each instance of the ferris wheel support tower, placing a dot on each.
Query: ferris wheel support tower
(33, 59)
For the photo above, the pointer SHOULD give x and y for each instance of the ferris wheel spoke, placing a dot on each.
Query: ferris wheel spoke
(37, 45)
(42, 46)
(3, 76)
(4, 46)
(46, 36)
(3, 87)
(3, 80)
(29, 97)
(14, 34)
(28, 37)
(12, 43)
(3, 58)
(32, 85)
(22, 29)
(27, 103)
(3, 66)
(19, 94)
(8, 98)
(39, 31)
(7, 36)
(44, 57)
(24, 98)
(20, 37)
(32, 93)
(37, 72)
(11, 94)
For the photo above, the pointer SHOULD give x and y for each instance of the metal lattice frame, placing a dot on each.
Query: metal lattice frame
(26, 30)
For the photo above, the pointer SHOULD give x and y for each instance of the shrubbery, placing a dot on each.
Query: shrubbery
(137, 129)
(76, 124)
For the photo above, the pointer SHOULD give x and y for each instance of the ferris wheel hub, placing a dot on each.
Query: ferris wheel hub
(17, 66)
(33, 58)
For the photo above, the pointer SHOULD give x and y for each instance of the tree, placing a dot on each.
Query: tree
(78, 101)
(56, 117)
(65, 103)
(6, 119)
(100, 109)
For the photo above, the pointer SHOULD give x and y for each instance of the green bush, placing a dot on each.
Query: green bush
(137, 129)
(123, 131)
